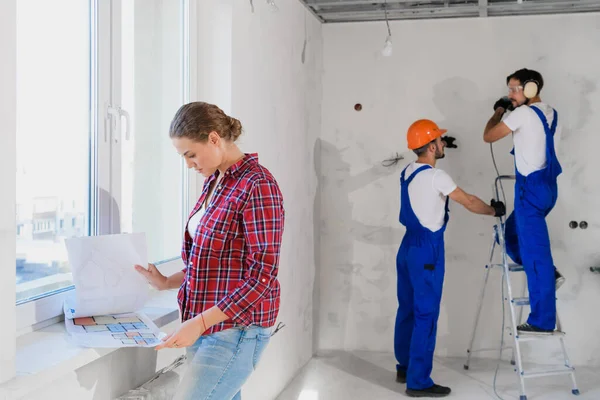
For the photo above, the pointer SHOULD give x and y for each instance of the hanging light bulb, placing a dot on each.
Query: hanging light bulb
(272, 6)
(387, 47)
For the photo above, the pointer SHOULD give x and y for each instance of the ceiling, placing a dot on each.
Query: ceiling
(374, 10)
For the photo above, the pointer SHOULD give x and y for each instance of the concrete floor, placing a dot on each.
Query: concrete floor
(371, 376)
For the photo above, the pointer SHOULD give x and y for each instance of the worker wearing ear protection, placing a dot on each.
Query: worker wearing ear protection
(534, 125)
(420, 265)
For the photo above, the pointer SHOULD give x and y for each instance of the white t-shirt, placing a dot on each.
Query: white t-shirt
(195, 220)
(530, 137)
(428, 192)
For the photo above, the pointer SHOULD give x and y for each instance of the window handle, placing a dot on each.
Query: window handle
(112, 116)
(115, 114)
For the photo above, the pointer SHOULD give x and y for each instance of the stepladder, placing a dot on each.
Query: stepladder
(499, 260)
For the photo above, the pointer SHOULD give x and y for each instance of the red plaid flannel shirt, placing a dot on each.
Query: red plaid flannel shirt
(233, 260)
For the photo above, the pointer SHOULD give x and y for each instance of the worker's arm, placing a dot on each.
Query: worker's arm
(495, 128)
(472, 203)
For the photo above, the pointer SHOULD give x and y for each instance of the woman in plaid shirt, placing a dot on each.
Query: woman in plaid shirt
(228, 291)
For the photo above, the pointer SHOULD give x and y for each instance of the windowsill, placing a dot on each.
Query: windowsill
(46, 355)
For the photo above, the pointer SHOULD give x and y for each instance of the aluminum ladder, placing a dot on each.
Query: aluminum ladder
(514, 302)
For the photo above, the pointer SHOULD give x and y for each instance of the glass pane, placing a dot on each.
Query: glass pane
(151, 92)
(53, 119)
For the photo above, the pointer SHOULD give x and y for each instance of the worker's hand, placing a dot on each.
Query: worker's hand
(505, 104)
(185, 336)
(499, 208)
(153, 276)
(449, 141)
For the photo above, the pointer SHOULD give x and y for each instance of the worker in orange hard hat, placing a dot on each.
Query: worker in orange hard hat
(425, 191)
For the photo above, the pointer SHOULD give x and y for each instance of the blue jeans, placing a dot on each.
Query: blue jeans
(219, 364)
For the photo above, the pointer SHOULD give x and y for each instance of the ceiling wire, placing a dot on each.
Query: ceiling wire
(385, 8)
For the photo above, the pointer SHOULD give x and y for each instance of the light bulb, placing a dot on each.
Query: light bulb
(272, 6)
(387, 47)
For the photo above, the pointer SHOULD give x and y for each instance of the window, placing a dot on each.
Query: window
(95, 95)
(53, 120)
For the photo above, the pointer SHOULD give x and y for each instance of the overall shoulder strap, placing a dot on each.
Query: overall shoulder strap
(542, 117)
(414, 174)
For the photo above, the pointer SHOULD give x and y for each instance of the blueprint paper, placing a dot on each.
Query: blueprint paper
(104, 276)
(114, 331)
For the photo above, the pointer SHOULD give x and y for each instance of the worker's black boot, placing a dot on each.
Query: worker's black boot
(434, 391)
(401, 376)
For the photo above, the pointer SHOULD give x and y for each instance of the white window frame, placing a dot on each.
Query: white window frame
(47, 310)
(8, 127)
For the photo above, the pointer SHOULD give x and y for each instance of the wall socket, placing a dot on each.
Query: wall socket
(574, 224)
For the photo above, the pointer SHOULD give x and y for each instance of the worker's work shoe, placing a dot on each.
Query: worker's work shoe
(434, 391)
(401, 376)
(533, 330)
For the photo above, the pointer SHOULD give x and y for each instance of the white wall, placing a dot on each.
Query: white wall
(451, 71)
(213, 52)
(8, 127)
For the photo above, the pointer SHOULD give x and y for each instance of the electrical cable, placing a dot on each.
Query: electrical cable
(387, 47)
(497, 172)
(392, 160)
(386, 18)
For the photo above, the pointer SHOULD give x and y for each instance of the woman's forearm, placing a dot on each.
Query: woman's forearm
(213, 316)
(174, 281)
(208, 319)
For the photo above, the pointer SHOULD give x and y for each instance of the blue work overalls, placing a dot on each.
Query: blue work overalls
(420, 268)
(527, 239)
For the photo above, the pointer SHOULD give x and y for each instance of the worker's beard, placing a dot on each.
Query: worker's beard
(439, 152)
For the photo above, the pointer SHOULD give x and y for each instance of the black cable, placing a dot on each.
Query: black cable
(497, 172)
(392, 161)
(386, 18)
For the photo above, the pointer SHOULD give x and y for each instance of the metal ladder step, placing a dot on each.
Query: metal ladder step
(529, 337)
(520, 301)
(548, 372)
(511, 267)
(515, 268)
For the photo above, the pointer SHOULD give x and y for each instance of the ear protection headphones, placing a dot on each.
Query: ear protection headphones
(530, 88)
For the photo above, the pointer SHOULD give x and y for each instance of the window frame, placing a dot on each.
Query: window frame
(8, 125)
(47, 309)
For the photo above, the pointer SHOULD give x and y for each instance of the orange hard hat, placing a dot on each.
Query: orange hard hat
(422, 132)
